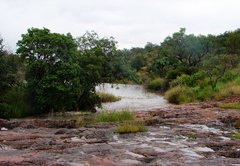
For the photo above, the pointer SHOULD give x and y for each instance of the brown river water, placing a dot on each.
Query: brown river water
(134, 97)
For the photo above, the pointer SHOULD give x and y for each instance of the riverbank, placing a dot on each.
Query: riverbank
(189, 134)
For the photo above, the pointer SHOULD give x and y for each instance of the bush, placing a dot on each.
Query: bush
(177, 81)
(157, 84)
(228, 76)
(184, 94)
(18, 102)
(173, 94)
(205, 93)
(5, 111)
(194, 79)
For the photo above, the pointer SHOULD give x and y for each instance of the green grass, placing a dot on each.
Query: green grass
(107, 97)
(236, 136)
(232, 106)
(132, 127)
(192, 136)
(180, 93)
(114, 116)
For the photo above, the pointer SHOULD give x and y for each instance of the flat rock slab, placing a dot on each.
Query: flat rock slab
(184, 135)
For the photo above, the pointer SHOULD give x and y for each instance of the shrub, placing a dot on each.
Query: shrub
(132, 127)
(18, 102)
(228, 76)
(173, 94)
(205, 93)
(114, 116)
(157, 84)
(177, 81)
(5, 111)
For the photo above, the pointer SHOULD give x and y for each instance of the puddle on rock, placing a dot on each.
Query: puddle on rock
(204, 149)
(3, 129)
(130, 161)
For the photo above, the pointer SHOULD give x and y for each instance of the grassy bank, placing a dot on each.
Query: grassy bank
(186, 89)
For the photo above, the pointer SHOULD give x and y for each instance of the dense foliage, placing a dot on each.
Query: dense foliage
(57, 72)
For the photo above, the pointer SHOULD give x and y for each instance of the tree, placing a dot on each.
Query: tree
(90, 43)
(186, 48)
(8, 69)
(216, 67)
(52, 75)
(138, 62)
(8, 78)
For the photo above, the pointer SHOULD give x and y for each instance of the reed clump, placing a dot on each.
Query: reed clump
(132, 127)
(107, 97)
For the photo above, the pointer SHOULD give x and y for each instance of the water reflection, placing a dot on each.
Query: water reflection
(134, 97)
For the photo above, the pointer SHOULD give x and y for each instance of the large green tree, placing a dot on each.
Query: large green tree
(8, 78)
(52, 76)
(90, 43)
(190, 49)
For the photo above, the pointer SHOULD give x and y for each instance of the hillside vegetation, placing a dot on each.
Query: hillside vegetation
(56, 72)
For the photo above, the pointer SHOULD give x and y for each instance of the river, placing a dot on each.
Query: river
(133, 97)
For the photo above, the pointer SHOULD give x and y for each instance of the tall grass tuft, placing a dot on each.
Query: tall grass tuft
(107, 97)
(157, 84)
(173, 95)
(227, 90)
(132, 127)
(114, 116)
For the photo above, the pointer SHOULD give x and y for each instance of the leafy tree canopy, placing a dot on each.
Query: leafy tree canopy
(55, 78)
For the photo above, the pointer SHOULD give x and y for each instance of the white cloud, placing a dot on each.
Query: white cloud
(131, 23)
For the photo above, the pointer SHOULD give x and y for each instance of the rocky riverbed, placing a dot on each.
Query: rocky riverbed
(189, 134)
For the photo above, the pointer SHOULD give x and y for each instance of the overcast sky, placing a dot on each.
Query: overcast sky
(132, 23)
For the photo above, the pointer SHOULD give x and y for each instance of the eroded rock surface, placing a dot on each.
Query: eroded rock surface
(190, 134)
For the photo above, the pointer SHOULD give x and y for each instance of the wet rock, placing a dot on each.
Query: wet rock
(146, 152)
(39, 123)
(184, 135)
(231, 154)
(231, 145)
(102, 125)
(61, 131)
(93, 110)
